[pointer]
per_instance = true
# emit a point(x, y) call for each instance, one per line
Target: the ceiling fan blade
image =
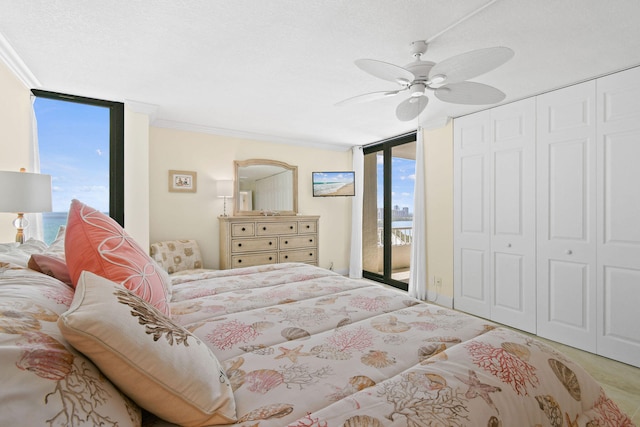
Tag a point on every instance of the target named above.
point(372, 96)
point(386, 71)
point(471, 64)
point(411, 108)
point(470, 93)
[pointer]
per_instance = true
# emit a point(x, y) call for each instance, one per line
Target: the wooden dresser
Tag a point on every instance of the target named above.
point(257, 240)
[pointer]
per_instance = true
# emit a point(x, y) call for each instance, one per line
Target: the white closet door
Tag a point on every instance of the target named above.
point(513, 240)
point(566, 207)
point(471, 214)
point(619, 216)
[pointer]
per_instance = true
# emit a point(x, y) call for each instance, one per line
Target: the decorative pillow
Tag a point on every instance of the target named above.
point(177, 255)
point(95, 242)
point(51, 266)
point(160, 365)
point(44, 380)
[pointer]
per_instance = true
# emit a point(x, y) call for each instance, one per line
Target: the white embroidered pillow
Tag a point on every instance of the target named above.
point(160, 365)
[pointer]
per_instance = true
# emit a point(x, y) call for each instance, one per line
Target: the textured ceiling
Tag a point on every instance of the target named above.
point(273, 70)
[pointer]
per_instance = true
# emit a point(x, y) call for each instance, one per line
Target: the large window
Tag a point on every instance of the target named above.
point(389, 182)
point(81, 145)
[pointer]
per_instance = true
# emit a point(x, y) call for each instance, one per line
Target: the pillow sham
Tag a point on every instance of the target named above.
point(161, 366)
point(51, 266)
point(97, 243)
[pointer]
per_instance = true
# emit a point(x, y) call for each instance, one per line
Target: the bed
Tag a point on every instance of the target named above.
point(276, 345)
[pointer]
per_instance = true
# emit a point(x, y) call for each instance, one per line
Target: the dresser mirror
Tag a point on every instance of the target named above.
point(265, 187)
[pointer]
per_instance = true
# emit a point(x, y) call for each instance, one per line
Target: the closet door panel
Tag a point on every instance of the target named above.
point(471, 215)
point(513, 215)
point(619, 216)
point(566, 206)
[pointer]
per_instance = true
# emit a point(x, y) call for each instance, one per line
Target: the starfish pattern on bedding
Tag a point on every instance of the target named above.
point(292, 354)
point(476, 388)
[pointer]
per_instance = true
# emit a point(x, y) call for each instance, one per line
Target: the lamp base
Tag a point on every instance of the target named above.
point(20, 223)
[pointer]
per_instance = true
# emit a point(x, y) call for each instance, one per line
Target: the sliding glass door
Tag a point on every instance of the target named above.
point(389, 178)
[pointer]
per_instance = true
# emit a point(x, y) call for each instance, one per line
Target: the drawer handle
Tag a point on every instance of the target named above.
point(270, 258)
point(239, 244)
point(264, 228)
point(569, 252)
point(239, 261)
point(286, 242)
point(310, 253)
point(286, 257)
point(308, 226)
point(244, 229)
point(310, 240)
point(270, 243)
point(291, 227)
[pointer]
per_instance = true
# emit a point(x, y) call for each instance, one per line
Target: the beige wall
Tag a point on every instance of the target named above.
point(438, 146)
point(15, 125)
point(194, 215)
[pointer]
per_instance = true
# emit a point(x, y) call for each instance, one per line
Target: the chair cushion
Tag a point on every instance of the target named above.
point(177, 255)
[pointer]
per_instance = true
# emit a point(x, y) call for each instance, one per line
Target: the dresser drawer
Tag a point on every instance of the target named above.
point(307, 227)
point(250, 245)
point(243, 229)
point(254, 259)
point(256, 240)
point(301, 255)
point(294, 242)
point(271, 228)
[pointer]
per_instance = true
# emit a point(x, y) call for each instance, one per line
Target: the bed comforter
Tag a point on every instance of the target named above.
point(301, 346)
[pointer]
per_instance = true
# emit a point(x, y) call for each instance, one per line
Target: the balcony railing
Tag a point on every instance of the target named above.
point(400, 236)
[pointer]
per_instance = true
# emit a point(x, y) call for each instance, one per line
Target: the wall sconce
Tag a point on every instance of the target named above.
point(224, 189)
point(22, 192)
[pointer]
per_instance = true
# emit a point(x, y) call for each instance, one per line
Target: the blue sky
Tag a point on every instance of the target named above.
point(74, 149)
point(403, 177)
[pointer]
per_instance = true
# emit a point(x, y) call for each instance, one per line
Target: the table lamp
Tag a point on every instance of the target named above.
point(225, 190)
point(22, 192)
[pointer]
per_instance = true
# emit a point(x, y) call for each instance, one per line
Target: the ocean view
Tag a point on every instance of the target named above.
point(51, 222)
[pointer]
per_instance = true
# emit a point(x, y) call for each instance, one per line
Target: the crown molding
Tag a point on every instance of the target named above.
point(189, 127)
point(150, 110)
point(17, 66)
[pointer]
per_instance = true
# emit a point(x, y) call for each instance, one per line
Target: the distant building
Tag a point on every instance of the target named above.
point(397, 214)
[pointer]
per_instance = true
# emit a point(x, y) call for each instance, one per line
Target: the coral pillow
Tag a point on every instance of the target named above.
point(161, 366)
point(96, 243)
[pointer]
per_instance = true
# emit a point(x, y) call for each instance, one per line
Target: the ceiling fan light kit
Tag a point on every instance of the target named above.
point(447, 79)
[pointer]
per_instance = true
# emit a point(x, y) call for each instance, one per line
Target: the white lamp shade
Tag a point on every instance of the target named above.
point(224, 188)
point(22, 192)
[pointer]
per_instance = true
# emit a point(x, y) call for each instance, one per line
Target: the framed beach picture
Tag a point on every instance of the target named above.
point(332, 184)
point(183, 181)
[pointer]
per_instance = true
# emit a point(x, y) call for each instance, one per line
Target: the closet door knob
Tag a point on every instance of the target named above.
point(568, 251)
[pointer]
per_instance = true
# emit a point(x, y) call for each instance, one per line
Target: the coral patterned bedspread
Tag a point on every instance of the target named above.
point(303, 346)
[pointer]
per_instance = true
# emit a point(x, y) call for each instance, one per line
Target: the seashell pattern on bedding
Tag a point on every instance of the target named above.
point(303, 347)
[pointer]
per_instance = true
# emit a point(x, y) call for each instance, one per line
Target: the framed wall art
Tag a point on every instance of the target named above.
point(331, 184)
point(183, 181)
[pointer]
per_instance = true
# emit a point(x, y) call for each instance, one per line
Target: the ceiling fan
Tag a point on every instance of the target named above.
point(447, 79)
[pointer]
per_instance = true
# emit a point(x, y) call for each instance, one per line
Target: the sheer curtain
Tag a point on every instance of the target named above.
point(35, 230)
point(418, 266)
point(355, 259)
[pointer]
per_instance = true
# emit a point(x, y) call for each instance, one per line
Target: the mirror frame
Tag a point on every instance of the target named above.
point(237, 164)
